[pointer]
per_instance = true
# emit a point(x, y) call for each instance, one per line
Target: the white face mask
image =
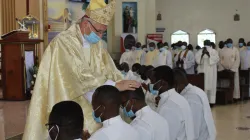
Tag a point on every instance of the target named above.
point(49, 138)
point(183, 47)
point(207, 46)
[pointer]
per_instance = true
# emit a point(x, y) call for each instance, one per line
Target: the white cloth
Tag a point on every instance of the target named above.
point(208, 66)
point(138, 56)
point(150, 100)
point(115, 129)
point(189, 61)
point(245, 59)
point(204, 127)
point(29, 64)
point(128, 58)
point(150, 125)
point(131, 76)
point(230, 60)
point(163, 58)
point(176, 110)
point(143, 58)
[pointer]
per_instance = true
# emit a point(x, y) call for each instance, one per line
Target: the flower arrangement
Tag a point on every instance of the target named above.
point(34, 72)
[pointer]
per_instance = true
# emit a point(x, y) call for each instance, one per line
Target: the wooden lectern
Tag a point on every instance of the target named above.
point(13, 47)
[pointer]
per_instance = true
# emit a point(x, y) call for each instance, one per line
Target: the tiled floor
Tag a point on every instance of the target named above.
point(227, 119)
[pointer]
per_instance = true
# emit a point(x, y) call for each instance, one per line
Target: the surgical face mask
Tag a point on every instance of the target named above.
point(248, 48)
point(207, 46)
point(162, 49)
point(130, 113)
point(229, 45)
point(151, 48)
point(92, 38)
point(151, 88)
point(97, 119)
point(127, 50)
point(183, 47)
point(49, 138)
point(123, 73)
point(138, 48)
point(241, 44)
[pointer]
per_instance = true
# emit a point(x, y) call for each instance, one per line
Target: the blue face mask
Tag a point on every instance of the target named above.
point(248, 48)
point(151, 48)
point(97, 119)
point(129, 114)
point(138, 48)
point(127, 50)
point(151, 89)
point(123, 73)
point(229, 45)
point(241, 44)
point(162, 49)
point(92, 38)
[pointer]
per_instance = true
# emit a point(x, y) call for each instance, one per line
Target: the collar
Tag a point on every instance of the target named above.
point(85, 43)
point(111, 121)
point(141, 111)
point(168, 93)
point(186, 89)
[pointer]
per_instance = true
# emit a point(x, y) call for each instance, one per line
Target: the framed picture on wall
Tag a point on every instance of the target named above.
point(130, 17)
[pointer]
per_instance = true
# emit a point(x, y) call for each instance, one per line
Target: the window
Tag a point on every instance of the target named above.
point(206, 35)
point(180, 36)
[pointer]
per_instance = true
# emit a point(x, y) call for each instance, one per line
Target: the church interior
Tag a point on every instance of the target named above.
point(28, 26)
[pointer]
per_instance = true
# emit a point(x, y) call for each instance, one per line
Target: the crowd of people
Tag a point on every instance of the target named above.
point(166, 107)
point(207, 59)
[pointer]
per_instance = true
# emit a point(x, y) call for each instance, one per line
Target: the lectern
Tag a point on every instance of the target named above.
point(13, 47)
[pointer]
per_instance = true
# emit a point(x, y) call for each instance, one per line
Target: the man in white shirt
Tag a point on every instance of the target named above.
point(151, 54)
point(204, 127)
point(245, 57)
point(106, 104)
point(66, 121)
point(164, 57)
point(207, 60)
point(149, 124)
point(230, 60)
point(171, 105)
point(138, 52)
point(185, 59)
point(127, 56)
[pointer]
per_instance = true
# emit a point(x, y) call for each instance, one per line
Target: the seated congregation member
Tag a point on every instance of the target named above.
point(171, 105)
point(207, 60)
point(230, 60)
point(245, 58)
point(133, 74)
point(124, 69)
point(66, 121)
point(149, 124)
point(164, 57)
point(151, 55)
point(106, 104)
point(185, 59)
point(204, 127)
point(127, 56)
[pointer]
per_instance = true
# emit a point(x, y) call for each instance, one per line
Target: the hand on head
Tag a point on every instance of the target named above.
point(127, 85)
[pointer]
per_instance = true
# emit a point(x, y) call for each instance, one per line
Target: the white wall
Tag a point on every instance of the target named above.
point(194, 16)
point(146, 22)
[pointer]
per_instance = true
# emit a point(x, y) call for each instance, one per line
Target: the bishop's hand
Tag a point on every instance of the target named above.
point(127, 85)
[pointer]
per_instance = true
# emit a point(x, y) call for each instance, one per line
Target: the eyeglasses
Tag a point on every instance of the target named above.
point(97, 31)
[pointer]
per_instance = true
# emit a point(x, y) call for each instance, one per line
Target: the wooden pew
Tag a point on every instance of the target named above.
point(244, 84)
point(197, 80)
point(225, 94)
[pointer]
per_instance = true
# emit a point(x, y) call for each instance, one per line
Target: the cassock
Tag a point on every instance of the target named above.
point(176, 110)
point(230, 60)
point(115, 129)
point(150, 125)
point(204, 127)
point(245, 59)
point(128, 58)
point(65, 74)
point(150, 57)
point(189, 60)
point(208, 66)
point(164, 57)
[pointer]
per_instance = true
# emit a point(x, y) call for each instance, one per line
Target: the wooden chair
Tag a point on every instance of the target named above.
point(244, 84)
point(197, 80)
point(225, 94)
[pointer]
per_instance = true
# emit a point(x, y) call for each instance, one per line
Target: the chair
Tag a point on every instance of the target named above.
point(197, 80)
point(225, 93)
point(244, 84)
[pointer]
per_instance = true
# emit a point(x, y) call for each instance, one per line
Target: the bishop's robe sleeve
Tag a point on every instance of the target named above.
point(190, 61)
point(214, 58)
point(237, 61)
